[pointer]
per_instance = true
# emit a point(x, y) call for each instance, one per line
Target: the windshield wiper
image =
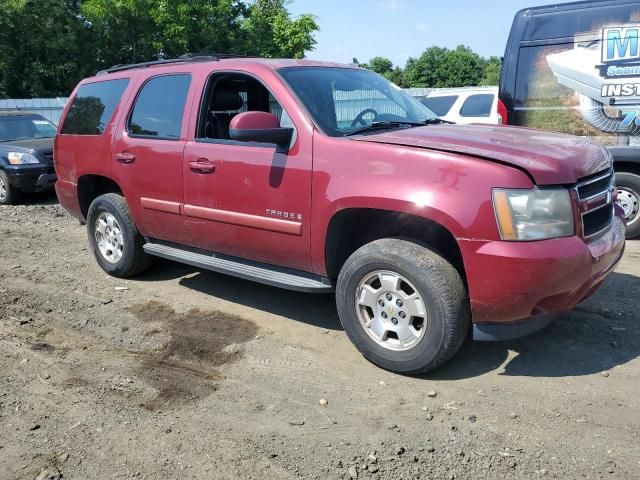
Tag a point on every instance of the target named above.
point(436, 121)
point(383, 126)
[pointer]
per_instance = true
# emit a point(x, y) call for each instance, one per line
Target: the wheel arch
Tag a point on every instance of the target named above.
point(627, 166)
point(91, 186)
point(351, 228)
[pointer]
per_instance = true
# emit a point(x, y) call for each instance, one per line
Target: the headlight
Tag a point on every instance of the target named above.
point(533, 214)
point(20, 158)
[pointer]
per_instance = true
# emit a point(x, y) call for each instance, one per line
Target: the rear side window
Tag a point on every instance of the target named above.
point(91, 109)
point(477, 106)
point(440, 105)
point(159, 108)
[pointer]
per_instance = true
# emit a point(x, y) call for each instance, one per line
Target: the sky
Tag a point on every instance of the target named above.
point(399, 29)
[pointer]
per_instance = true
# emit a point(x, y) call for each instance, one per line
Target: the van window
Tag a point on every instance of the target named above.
point(541, 101)
point(440, 105)
point(586, 19)
point(477, 105)
point(159, 108)
point(92, 107)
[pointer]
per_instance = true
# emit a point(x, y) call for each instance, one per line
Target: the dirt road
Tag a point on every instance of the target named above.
point(185, 374)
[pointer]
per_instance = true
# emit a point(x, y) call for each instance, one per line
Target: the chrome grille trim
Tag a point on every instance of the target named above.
point(606, 194)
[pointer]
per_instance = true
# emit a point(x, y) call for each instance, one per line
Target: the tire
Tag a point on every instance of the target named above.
point(437, 283)
point(8, 193)
point(127, 257)
point(628, 185)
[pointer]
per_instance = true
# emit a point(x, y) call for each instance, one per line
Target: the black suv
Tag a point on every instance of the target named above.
point(26, 154)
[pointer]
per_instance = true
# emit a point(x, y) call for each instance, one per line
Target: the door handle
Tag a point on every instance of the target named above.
point(125, 157)
point(202, 166)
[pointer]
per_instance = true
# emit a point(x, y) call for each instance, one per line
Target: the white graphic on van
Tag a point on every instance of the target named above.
point(621, 90)
point(620, 52)
point(620, 44)
point(600, 69)
point(631, 117)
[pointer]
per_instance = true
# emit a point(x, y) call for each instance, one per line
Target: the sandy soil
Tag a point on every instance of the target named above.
point(185, 374)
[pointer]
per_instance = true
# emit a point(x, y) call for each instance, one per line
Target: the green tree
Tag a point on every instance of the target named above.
point(380, 65)
point(424, 70)
point(462, 67)
point(397, 76)
point(271, 32)
point(492, 72)
point(442, 68)
point(385, 67)
point(45, 48)
point(129, 31)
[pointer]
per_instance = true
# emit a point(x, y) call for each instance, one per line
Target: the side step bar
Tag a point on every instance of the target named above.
point(247, 269)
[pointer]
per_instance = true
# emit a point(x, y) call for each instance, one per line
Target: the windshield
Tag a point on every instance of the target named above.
point(23, 127)
point(344, 100)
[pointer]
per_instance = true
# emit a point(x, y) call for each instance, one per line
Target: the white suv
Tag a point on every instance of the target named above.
point(466, 105)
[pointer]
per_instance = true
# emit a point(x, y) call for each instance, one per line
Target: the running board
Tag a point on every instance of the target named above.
point(247, 269)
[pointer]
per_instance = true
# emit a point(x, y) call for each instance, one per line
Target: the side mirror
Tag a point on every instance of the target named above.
point(260, 127)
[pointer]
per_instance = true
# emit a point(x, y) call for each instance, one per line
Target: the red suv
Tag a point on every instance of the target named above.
point(317, 177)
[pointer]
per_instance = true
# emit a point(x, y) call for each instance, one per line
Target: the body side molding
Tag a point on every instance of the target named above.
point(244, 219)
point(161, 205)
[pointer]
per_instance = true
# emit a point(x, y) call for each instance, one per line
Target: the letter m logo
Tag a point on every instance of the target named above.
point(620, 43)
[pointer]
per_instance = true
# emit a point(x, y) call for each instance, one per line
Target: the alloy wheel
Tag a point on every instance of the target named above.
point(109, 237)
point(391, 310)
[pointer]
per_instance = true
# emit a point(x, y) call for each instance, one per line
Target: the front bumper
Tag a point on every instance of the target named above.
point(31, 177)
point(522, 286)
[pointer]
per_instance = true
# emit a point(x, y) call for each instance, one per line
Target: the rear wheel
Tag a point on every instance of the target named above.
point(628, 185)
point(8, 193)
point(403, 306)
point(114, 238)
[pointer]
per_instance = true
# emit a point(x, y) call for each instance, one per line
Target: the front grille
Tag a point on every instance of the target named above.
point(597, 220)
point(596, 187)
point(596, 205)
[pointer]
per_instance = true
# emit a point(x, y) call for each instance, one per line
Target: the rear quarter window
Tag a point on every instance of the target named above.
point(159, 108)
point(440, 105)
point(92, 107)
point(477, 105)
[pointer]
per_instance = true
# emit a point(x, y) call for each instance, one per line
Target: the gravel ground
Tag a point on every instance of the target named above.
point(183, 373)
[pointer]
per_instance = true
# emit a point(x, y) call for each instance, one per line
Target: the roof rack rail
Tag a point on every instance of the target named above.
point(187, 57)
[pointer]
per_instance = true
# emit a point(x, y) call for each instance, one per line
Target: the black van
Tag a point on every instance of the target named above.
point(575, 68)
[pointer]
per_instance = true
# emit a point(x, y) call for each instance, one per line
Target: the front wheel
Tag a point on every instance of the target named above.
point(8, 193)
point(628, 185)
point(403, 306)
point(114, 238)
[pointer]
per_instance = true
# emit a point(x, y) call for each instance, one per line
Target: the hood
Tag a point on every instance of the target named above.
point(39, 145)
point(549, 158)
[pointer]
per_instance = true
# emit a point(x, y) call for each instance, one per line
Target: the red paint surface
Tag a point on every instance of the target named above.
point(161, 205)
point(245, 220)
point(441, 173)
point(254, 121)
